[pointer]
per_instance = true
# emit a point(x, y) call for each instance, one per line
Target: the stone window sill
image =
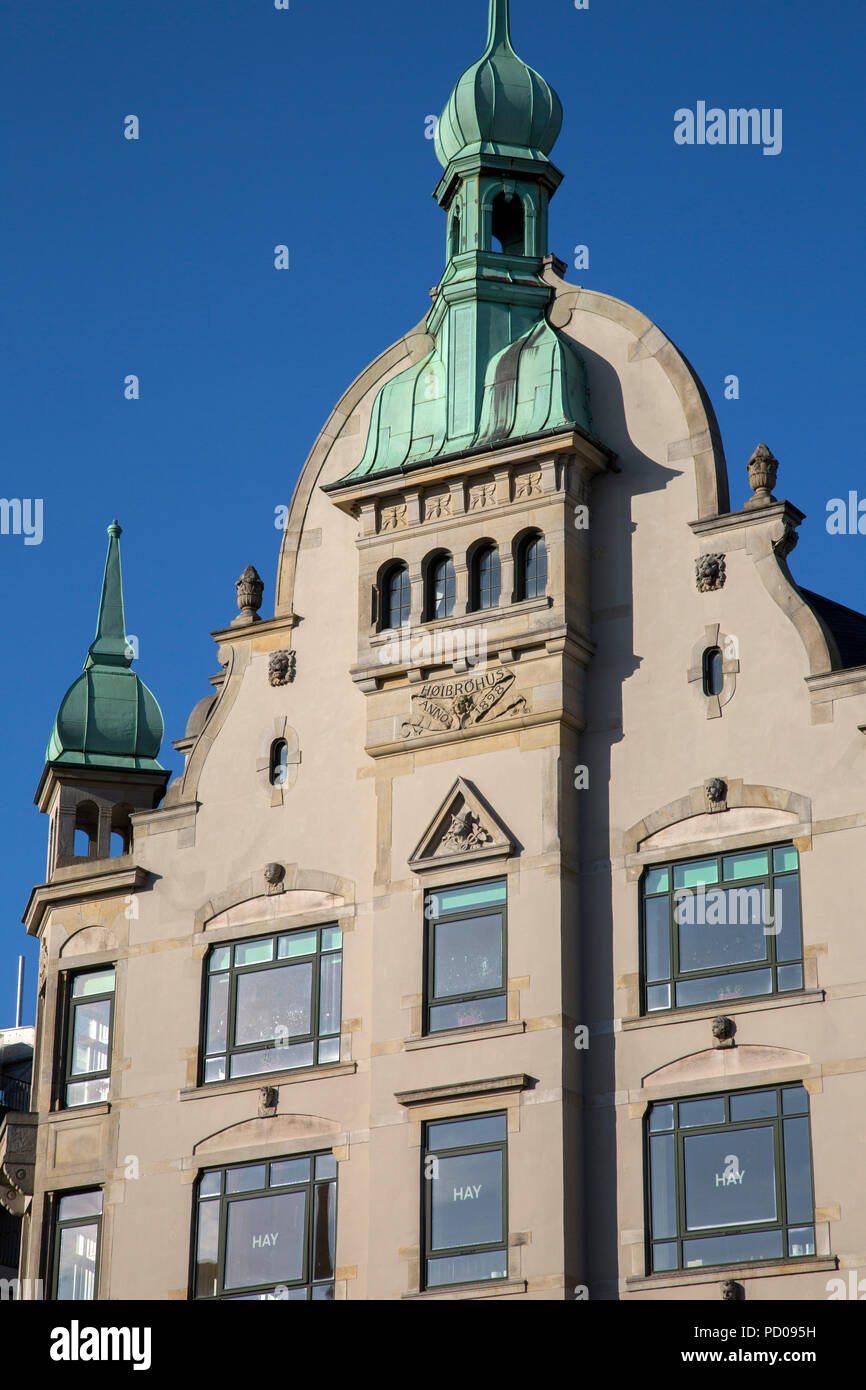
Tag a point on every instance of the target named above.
point(491, 1288)
point(474, 1033)
point(77, 1112)
point(723, 1006)
point(714, 1274)
point(271, 1078)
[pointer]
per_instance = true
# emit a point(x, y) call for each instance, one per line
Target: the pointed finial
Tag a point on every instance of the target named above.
point(498, 28)
point(110, 647)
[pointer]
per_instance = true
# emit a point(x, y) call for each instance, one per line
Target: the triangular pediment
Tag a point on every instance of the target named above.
point(465, 828)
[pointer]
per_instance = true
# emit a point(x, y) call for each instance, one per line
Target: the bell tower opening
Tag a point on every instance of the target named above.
point(508, 224)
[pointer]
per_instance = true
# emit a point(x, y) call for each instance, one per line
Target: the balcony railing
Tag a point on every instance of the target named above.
point(14, 1094)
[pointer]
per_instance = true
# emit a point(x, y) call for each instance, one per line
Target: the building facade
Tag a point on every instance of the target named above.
point(498, 938)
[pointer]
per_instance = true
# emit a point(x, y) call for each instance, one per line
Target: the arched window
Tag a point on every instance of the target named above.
point(531, 568)
point(507, 223)
point(81, 848)
point(86, 825)
point(713, 674)
point(455, 234)
point(441, 588)
point(121, 829)
point(486, 577)
point(396, 597)
point(279, 762)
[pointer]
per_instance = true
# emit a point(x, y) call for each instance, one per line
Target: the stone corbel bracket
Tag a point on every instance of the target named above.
point(17, 1161)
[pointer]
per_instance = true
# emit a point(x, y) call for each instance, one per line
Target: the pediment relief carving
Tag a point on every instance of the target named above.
point(464, 828)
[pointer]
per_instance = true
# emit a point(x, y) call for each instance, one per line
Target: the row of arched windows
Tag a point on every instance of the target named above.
point(485, 582)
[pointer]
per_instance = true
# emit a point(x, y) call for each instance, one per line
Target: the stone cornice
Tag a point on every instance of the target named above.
point(594, 455)
point(749, 516)
point(284, 623)
point(106, 882)
point(462, 1090)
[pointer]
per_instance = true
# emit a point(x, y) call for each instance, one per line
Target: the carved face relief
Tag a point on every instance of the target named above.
point(281, 667)
point(710, 573)
point(465, 832)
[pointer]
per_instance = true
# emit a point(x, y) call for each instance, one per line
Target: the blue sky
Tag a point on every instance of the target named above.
point(306, 128)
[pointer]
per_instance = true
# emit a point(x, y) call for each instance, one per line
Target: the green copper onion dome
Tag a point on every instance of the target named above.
point(500, 105)
point(108, 717)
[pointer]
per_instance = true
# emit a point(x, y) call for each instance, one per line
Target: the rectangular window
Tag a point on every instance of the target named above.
point(465, 1200)
point(273, 1003)
point(730, 1179)
point(466, 961)
point(267, 1230)
point(77, 1228)
point(90, 1024)
point(722, 928)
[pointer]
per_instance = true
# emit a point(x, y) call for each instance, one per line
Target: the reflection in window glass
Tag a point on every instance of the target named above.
point(88, 1046)
point(266, 1231)
point(78, 1225)
point(277, 1007)
point(465, 1213)
point(465, 980)
point(721, 928)
point(730, 1181)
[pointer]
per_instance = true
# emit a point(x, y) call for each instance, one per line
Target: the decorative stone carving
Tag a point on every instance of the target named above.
point(733, 1292)
point(464, 833)
point(482, 494)
point(250, 590)
point(268, 1099)
point(393, 516)
point(710, 573)
point(437, 505)
point(281, 667)
point(762, 468)
point(465, 827)
point(274, 875)
point(459, 704)
point(527, 483)
point(786, 542)
point(723, 1029)
point(717, 793)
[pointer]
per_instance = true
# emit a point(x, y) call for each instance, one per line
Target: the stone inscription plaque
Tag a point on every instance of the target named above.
point(459, 702)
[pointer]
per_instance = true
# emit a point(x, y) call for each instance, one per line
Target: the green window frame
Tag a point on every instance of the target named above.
point(266, 1230)
point(89, 1036)
point(486, 578)
point(76, 1244)
point(457, 1152)
point(700, 1152)
point(466, 943)
point(254, 1021)
point(721, 928)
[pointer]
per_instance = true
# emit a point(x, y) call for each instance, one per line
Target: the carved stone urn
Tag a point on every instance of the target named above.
point(250, 590)
point(763, 468)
